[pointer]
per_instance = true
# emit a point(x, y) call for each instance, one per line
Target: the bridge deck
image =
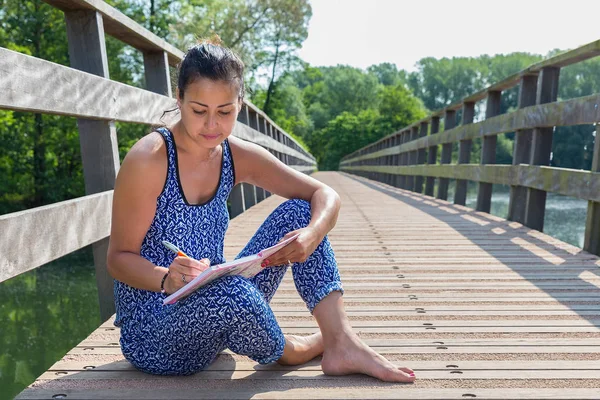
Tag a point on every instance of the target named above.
point(478, 306)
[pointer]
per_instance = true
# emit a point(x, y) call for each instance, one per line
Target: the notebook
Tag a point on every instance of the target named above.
point(247, 267)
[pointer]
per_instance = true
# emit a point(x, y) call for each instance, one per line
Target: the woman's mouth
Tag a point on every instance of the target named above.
point(211, 137)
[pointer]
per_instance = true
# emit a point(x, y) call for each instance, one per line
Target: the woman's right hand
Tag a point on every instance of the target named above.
point(184, 267)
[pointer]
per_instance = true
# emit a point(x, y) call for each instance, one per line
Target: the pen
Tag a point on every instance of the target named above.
point(174, 249)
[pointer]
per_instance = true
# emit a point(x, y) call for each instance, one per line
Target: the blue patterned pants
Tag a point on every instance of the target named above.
point(231, 312)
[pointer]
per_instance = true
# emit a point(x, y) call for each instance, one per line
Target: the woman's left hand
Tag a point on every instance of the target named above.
point(298, 250)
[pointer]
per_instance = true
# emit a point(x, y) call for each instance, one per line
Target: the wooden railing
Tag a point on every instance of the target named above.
point(408, 158)
point(37, 236)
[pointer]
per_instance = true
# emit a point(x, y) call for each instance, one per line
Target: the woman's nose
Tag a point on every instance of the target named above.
point(211, 121)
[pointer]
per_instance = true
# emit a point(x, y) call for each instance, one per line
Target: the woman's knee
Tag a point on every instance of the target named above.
point(297, 211)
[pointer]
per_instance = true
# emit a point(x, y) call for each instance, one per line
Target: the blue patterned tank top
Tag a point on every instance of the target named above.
point(197, 229)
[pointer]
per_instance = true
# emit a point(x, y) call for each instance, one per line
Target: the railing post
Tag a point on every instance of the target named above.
point(412, 158)
point(432, 156)
point(156, 72)
point(488, 152)
point(591, 242)
point(98, 139)
point(421, 157)
point(449, 123)
point(541, 148)
point(522, 150)
point(236, 197)
point(464, 154)
point(403, 158)
point(396, 161)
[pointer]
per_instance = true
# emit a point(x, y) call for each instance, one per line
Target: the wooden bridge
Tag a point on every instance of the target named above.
point(479, 306)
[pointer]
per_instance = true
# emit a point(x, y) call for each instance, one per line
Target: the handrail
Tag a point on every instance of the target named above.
point(407, 156)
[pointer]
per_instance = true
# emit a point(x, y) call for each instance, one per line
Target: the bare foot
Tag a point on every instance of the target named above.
point(301, 349)
point(350, 355)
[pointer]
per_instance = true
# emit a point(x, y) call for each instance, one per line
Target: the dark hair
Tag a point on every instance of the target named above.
point(210, 60)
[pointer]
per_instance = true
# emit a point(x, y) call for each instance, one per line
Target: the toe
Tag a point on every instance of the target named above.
point(407, 370)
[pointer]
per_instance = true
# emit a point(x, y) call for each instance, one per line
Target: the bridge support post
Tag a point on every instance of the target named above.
point(403, 158)
point(591, 242)
point(464, 154)
point(421, 158)
point(522, 150)
point(449, 123)
point(488, 152)
point(541, 148)
point(98, 139)
point(412, 158)
point(432, 156)
point(236, 197)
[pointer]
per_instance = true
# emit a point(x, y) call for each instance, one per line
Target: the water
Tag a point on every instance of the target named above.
point(43, 314)
point(46, 312)
point(564, 219)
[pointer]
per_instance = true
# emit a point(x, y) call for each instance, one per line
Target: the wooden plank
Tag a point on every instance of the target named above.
point(464, 153)
point(309, 393)
point(44, 87)
point(247, 133)
point(315, 365)
point(575, 183)
point(303, 375)
point(65, 227)
point(449, 123)
point(592, 224)
point(541, 148)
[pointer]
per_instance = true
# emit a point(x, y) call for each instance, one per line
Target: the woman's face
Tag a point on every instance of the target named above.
point(209, 110)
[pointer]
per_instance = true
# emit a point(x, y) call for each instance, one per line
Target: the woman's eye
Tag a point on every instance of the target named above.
point(199, 112)
point(225, 112)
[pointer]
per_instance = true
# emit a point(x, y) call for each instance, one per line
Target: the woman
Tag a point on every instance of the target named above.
point(173, 185)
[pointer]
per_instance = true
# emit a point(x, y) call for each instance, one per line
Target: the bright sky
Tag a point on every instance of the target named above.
point(361, 33)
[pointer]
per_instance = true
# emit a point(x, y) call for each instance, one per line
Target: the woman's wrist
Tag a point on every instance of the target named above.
point(162, 283)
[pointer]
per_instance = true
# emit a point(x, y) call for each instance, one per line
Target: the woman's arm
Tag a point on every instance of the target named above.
point(257, 166)
point(140, 181)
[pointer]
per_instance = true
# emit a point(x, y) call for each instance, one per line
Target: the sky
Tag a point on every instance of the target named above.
point(361, 33)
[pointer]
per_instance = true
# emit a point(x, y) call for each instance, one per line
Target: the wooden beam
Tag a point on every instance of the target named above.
point(592, 223)
point(449, 123)
point(98, 139)
point(156, 70)
point(421, 158)
point(575, 183)
point(578, 111)
point(569, 57)
point(464, 153)
point(412, 158)
point(37, 236)
point(432, 156)
point(541, 148)
point(119, 26)
point(45, 87)
point(522, 150)
point(488, 152)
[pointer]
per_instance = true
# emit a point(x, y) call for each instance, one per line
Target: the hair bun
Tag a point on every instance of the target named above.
point(214, 39)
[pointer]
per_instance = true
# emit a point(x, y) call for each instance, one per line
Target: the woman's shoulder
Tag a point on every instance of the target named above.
point(146, 160)
point(148, 150)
